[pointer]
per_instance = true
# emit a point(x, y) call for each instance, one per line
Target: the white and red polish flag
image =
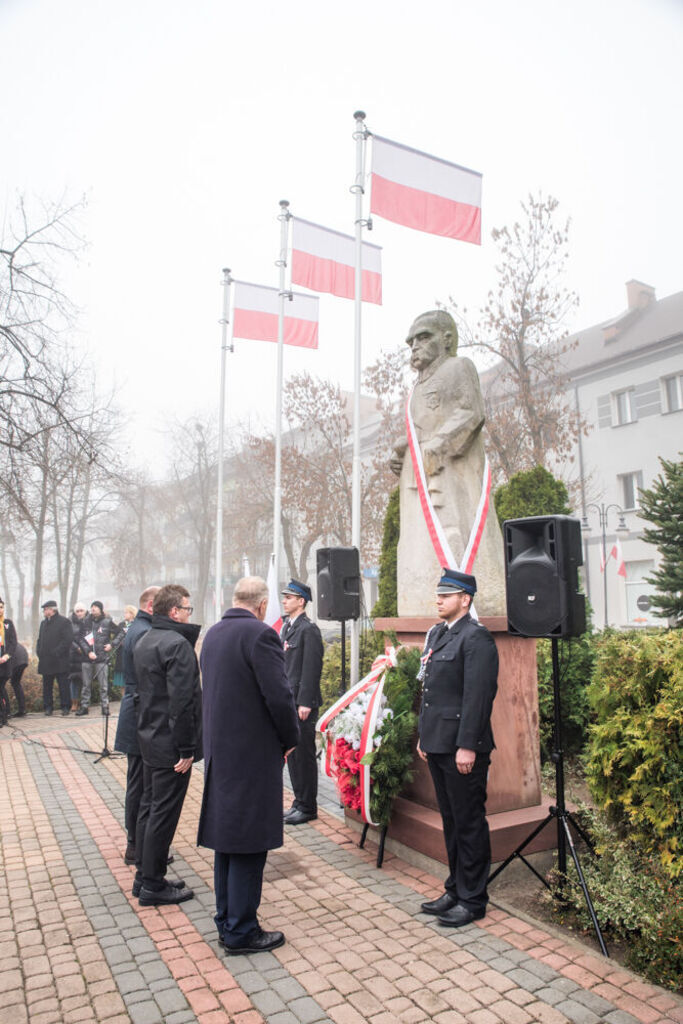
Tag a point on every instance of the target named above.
point(325, 261)
point(256, 310)
point(617, 554)
point(273, 615)
point(423, 192)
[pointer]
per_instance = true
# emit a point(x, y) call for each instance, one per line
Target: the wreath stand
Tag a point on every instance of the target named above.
point(380, 848)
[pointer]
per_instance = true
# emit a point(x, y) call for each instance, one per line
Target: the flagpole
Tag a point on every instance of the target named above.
point(360, 135)
point(283, 217)
point(221, 438)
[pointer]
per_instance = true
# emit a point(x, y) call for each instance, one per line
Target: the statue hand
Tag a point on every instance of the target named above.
point(432, 459)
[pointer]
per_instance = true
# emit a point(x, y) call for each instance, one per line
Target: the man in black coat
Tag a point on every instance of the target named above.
point(54, 656)
point(169, 718)
point(250, 726)
point(127, 727)
point(460, 680)
point(304, 663)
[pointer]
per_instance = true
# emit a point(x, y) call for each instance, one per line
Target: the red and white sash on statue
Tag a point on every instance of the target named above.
point(375, 677)
point(436, 532)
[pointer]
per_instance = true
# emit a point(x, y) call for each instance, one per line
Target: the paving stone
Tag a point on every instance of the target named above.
point(525, 979)
point(621, 1017)
point(594, 1002)
point(171, 1001)
point(145, 1013)
point(306, 1010)
point(576, 1012)
point(267, 1002)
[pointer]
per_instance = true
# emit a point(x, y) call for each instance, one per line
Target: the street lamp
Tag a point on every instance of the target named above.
point(603, 515)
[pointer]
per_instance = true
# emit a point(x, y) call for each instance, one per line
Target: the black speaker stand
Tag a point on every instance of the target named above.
point(342, 684)
point(561, 814)
point(105, 751)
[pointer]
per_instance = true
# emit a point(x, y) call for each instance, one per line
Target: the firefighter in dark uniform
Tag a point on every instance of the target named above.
point(460, 679)
point(303, 663)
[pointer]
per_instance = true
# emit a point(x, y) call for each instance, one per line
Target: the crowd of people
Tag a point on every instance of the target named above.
point(72, 652)
point(253, 708)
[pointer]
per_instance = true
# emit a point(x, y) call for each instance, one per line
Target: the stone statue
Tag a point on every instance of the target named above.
point(448, 413)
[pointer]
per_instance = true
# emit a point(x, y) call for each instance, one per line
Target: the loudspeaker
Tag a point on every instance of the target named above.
point(542, 557)
point(338, 583)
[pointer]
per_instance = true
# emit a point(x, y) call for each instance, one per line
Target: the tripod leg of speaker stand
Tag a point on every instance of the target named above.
point(517, 853)
point(582, 883)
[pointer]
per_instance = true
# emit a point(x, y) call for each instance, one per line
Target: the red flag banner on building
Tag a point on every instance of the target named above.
point(423, 192)
point(256, 310)
point(325, 261)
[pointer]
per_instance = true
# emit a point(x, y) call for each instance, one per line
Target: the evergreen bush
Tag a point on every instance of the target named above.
point(635, 901)
point(387, 601)
point(577, 659)
point(633, 759)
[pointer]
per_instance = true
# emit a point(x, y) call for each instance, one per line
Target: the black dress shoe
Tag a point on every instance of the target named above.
point(19, 714)
point(288, 814)
point(81, 711)
point(299, 817)
point(459, 916)
point(257, 941)
point(65, 713)
point(177, 883)
point(164, 897)
point(48, 713)
point(439, 906)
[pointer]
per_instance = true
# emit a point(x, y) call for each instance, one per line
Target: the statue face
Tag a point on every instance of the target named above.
point(426, 342)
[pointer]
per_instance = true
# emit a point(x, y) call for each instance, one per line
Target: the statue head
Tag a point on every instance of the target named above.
point(432, 336)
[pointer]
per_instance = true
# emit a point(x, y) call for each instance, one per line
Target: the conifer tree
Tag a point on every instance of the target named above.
point(662, 505)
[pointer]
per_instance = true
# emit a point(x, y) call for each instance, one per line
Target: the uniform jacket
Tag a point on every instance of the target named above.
point(127, 727)
point(461, 680)
point(169, 697)
point(54, 645)
point(304, 660)
point(250, 720)
point(9, 647)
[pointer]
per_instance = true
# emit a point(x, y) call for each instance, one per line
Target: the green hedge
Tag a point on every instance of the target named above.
point(635, 902)
point(633, 759)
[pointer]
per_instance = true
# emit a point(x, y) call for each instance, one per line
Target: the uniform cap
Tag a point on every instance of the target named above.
point(297, 589)
point(452, 581)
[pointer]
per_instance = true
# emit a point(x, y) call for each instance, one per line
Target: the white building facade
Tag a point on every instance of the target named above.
point(626, 377)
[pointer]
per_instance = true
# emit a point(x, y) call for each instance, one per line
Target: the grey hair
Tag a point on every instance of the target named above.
point(250, 591)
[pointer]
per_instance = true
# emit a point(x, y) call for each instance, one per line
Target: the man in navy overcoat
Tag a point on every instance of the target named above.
point(460, 680)
point(250, 725)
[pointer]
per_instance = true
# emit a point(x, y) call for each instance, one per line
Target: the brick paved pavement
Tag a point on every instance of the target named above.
point(75, 946)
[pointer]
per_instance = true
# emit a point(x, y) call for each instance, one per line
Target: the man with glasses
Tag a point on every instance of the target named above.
point(169, 718)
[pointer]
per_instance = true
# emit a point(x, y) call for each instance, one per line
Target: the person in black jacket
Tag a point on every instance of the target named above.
point(8, 645)
point(18, 667)
point(54, 654)
point(169, 718)
point(304, 663)
point(80, 648)
point(96, 664)
point(127, 727)
point(460, 680)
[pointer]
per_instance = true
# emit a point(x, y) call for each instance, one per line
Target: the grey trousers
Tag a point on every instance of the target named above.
point(98, 670)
